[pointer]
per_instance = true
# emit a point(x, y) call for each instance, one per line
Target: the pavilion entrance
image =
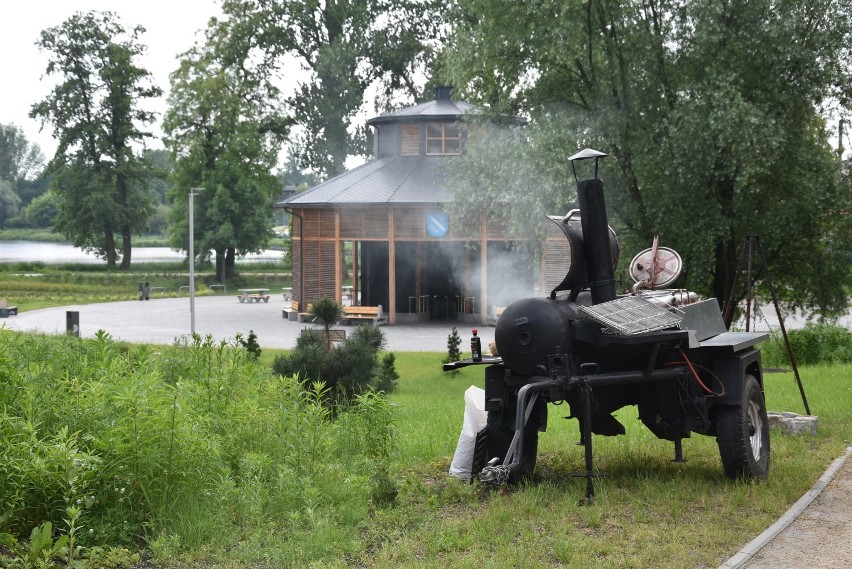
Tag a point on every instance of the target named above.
point(440, 280)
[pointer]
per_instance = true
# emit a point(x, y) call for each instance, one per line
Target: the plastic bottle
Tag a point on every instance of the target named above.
point(476, 347)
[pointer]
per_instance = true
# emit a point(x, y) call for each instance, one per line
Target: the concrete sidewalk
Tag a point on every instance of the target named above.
point(815, 533)
point(160, 321)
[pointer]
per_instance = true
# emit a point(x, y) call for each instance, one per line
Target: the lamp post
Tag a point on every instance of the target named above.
point(192, 193)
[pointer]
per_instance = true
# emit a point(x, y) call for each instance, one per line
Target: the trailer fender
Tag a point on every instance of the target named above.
point(732, 370)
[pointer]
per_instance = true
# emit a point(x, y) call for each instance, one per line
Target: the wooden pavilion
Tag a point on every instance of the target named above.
point(378, 235)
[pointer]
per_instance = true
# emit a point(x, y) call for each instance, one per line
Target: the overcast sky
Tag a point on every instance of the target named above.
point(171, 27)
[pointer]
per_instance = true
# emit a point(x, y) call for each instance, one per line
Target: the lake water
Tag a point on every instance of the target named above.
point(55, 253)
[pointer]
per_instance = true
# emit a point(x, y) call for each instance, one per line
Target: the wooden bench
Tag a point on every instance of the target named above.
point(249, 298)
point(294, 308)
point(293, 313)
point(305, 316)
point(372, 313)
point(6, 310)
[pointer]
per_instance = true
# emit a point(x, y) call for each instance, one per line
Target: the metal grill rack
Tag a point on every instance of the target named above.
point(632, 315)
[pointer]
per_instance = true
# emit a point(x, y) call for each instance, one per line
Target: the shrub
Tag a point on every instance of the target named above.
point(348, 369)
point(453, 344)
point(250, 344)
point(813, 344)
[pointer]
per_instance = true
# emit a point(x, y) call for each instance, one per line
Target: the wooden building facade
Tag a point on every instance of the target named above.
point(377, 235)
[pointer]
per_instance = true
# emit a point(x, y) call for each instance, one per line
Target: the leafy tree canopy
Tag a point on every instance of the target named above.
point(712, 112)
point(347, 48)
point(224, 126)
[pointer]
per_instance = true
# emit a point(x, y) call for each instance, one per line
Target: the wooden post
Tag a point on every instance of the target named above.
point(391, 310)
point(356, 278)
point(483, 272)
point(338, 261)
point(418, 274)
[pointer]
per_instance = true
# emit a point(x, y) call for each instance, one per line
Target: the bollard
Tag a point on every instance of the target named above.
point(72, 323)
point(144, 291)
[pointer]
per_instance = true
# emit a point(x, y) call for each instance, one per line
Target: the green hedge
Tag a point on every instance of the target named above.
point(813, 344)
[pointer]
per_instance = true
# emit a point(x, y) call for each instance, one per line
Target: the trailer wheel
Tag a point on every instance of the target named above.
point(742, 433)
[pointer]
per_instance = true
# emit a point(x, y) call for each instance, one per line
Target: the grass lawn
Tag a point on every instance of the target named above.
point(649, 512)
point(31, 286)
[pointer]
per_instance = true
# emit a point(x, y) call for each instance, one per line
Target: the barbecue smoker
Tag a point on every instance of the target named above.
point(663, 350)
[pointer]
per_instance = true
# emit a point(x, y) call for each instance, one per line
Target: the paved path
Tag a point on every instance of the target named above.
point(815, 533)
point(160, 321)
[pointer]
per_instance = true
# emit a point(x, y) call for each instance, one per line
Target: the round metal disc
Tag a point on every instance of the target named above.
point(669, 266)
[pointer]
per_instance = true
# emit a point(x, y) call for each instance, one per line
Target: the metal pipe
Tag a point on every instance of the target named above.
point(596, 246)
point(516, 449)
point(521, 418)
point(618, 378)
point(192, 193)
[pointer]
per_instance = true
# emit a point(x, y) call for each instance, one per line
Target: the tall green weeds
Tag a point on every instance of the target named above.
point(194, 445)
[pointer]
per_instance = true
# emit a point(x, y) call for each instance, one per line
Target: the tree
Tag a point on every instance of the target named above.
point(224, 127)
point(346, 48)
point(41, 212)
point(710, 111)
point(21, 164)
point(292, 174)
point(98, 118)
point(161, 169)
point(327, 312)
point(20, 160)
point(9, 202)
point(453, 344)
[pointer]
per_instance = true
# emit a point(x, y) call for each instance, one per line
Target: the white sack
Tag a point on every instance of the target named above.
point(475, 418)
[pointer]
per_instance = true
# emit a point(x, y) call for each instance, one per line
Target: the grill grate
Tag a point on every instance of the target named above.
point(632, 315)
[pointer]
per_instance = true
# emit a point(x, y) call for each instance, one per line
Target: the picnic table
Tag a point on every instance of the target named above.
point(253, 295)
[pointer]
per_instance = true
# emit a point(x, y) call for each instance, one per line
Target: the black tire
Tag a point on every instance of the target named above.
point(742, 433)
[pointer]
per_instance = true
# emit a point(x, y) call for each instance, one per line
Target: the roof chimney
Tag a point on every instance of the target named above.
point(442, 93)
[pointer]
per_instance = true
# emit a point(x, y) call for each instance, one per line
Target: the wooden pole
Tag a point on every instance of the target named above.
point(391, 309)
point(338, 261)
point(356, 278)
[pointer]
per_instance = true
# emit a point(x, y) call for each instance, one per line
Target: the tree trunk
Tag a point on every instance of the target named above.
point(220, 265)
point(724, 273)
point(125, 248)
point(121, 198)
point(726, 249)
point(109, 249)
point(230, 261)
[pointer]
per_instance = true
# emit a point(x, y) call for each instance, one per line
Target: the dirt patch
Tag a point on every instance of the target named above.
point(821, 537)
